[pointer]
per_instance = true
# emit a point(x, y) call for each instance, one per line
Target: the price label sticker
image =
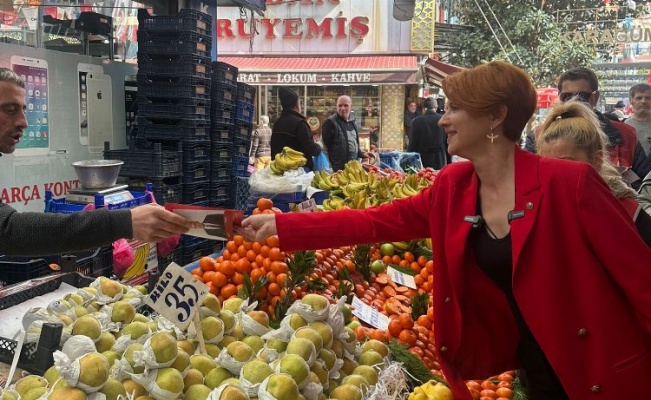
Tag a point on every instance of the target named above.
point(369, 314)
point(177, 295)
point(400, 278)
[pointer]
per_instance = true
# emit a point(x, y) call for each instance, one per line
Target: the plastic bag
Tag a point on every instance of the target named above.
point(293, 181)
point(321, 163)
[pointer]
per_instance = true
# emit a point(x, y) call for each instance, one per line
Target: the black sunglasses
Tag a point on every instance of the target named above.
point(580, 96)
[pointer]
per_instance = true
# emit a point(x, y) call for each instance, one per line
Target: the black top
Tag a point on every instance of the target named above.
point(494, 258)
point(643, 225)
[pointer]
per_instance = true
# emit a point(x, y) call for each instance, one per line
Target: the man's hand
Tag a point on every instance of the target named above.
point(257, 228)
point(152, 223)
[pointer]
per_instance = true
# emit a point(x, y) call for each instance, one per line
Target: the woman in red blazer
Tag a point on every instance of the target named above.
point(537, 265)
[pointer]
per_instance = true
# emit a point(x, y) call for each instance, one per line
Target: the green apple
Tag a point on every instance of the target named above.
point(387, 249)
point(377, 267)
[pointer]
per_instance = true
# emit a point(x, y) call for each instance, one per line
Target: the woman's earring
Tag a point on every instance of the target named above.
point(492, 136)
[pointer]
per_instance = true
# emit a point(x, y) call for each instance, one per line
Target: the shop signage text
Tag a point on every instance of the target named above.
point(294, 28)
point(324, 78)
point(27, 193)
point(608, 36)
point(360, 77)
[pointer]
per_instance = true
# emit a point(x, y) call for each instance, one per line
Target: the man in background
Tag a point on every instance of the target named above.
point(624, 149)
point(429, 139)
point(640, 96)
point(37, 234)
point(411, 112)
point(291, 129)
point(340, 136)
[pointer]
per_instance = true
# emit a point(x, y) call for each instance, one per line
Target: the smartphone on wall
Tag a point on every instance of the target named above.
point(36, 137)
point(83, 70)
point(100, 111)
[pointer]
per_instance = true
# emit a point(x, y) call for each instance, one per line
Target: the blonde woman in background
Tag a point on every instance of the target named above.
point(260, 153)
point(572, 132)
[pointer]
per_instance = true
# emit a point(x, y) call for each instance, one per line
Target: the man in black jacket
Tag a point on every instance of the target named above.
point(429, 139)
point(292, 130)
point(340, 136)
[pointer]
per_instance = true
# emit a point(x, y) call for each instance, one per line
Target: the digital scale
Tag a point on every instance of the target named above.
point(112, 195)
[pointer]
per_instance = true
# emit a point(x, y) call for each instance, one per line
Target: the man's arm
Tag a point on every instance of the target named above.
point(641, 165)
point(34, 234)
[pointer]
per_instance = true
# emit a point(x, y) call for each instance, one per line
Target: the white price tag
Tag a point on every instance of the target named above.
point(369, 314)
point(177, 295)
point(400, 278)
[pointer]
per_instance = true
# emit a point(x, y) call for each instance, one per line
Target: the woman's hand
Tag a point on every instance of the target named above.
point(257, 228)
point(152, 223)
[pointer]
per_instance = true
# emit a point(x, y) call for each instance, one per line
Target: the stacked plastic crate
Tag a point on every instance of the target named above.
point(174, 84)
point(222, 132)
point(243, 130)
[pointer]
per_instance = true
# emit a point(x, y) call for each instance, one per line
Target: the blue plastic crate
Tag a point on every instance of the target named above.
point(217, 181)
point(195, 251)
point(243, 131)
point(222, 203)
point(194, 172)
point(167, 190)
point(188, 20)
point(241, 149)
point(223, 113)
point(172, 257)
point(221, 155)
point(197, 151)
point(225, 74)
point(197, 191)
point(241, 192)
point(154, 87)
point(245, 92)
point(61, 206)
point(223, 93)
point(180, 129)
point(175, 44)
point(151, 163)
point(220, 172)
point(173, 108)
point(239, 166)
point(245, 112)
point(221, 134)
point(174, 65)
point(189, 241)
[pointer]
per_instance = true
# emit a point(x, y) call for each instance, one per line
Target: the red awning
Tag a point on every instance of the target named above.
point(436, 71)
point(325, 70)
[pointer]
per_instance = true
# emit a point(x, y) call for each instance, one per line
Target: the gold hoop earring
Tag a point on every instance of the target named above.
point(492, 136)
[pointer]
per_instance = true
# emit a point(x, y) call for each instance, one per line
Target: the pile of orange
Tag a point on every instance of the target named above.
point(499, 387)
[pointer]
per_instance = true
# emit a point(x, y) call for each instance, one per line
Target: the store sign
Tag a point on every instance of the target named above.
point(321, 78)
point(294, 28)
point(608, 36)
point(26, 193)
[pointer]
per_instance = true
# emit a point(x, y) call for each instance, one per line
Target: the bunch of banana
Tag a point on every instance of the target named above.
point(333, 203)
point(324, 181)
point(401, 191)
point(358, 200)
point(431, 390)
point(287, 160)
point(351, 189)
point(352, 172)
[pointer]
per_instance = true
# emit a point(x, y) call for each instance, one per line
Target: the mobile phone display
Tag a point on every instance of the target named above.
point(37, 133)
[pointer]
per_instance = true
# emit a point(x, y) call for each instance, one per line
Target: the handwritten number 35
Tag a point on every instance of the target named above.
point(173, 300)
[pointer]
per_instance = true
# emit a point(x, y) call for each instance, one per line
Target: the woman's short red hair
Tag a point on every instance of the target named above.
point(483, 89)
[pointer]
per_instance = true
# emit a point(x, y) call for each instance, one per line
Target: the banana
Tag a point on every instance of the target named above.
point(289, 151)
point(274, 168)
point(342, 178)
point(402, 246)
point(397, 192)
point(329, 180)
point(409, 191)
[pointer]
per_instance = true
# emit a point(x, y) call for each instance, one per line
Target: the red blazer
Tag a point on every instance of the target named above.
point(581, 275)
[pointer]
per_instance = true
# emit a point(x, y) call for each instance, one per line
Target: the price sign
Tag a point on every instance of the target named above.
point(369, 314)
point(400, 278)
point(177, 295)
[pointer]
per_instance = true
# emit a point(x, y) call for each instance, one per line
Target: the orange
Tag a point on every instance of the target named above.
point(504, 392)
point(395, 259)
point(226, 254)
point(243, 265)
point(256, 211)
point(227, 268)
point(238, 240)
point(231, 246)
point(273, 241)
point(264, 250)
point(237, 278)
point(208, 276)
point(264, 204)
point(219, 280)
point(274, 289)
point(422, 261)
point(278, 267)
point(206, 263)
point(281, 279)
point(271, 277)
point(403, 263)
point(409, 256)
point(197, 272)
point(248, 245)
point(379, 334)
point(257, 274)
point(241, 251)
point(394, 328)
point(251, 255)
point(228, 291)
point(275, 254)
point(256, 247)
point(408, 337)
